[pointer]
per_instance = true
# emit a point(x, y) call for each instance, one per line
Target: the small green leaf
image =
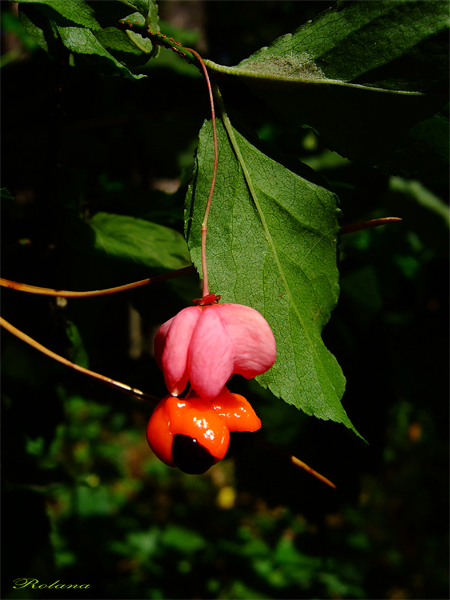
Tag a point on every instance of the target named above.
point(138, 241)
point(6, 194)
point(369, 77)
point(126, 46)
point(141, 6)
point(147, 8)
point(83, 41)
point(78, 353)
point(109, 12)
point(272, 244)
point(37, 26)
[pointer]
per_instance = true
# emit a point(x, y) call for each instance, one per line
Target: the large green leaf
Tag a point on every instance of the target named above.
point(272, 244)
point(77, 11)
point(370, 77)
point(138, 241)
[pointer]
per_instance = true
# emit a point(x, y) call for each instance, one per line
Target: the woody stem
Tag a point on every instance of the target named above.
point(33, 289)
point(294, 460)
point(368, 224)
point(123, 387)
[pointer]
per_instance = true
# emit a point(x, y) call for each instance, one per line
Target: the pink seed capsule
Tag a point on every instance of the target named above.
point(206, 345)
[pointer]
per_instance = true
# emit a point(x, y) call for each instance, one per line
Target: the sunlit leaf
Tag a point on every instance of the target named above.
point(77, 11)
point(370, 77)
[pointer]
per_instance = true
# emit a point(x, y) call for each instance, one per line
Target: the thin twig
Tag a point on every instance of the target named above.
point(123, 387)
point(368, 224)
point(32, 289)
point(294, 460)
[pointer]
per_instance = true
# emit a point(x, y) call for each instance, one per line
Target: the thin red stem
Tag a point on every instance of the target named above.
point(204, 226)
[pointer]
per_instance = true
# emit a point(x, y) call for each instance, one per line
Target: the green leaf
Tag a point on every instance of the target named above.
point(78, 353)
point(38, 27)
point(148, 9)
point(141, 6)
point(95, 33)
point(6, 194)
point(83, 41)
point(126, 46)
point(272, 244)
point(183, 540)
point(77, 11)
point(138, 241)
point(109, 12)
point(365, 75)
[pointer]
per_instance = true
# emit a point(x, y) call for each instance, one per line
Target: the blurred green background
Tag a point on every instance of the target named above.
point(84, 499)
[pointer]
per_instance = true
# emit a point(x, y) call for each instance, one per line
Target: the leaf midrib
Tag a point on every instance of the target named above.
point(241, 161)
point(243, 73)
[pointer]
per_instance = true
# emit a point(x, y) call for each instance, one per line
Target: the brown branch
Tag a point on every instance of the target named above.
point(123, 387)
point(293, 460)
point(32, 289)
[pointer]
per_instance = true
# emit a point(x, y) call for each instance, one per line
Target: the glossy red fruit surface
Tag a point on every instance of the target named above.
point(192, 418)
point(236, 411)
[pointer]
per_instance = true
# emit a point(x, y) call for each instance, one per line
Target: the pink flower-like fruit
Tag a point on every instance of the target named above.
point(206, 345)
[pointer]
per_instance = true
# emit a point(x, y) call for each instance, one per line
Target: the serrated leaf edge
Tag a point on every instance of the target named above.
point(240, 158)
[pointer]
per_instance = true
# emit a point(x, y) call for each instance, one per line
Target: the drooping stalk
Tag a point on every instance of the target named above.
point(204, 226)
point(190, 55)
